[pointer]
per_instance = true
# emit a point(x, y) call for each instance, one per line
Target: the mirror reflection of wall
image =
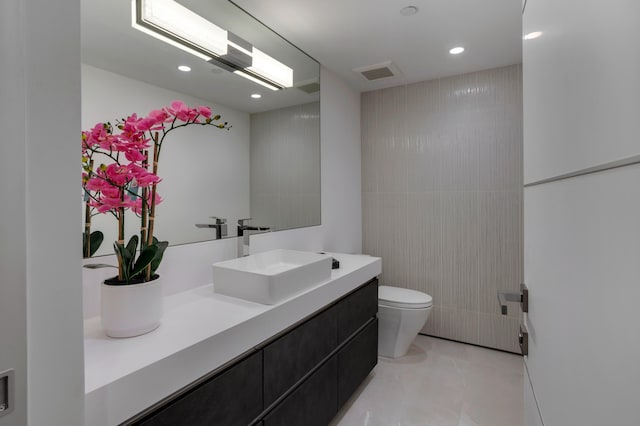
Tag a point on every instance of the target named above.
point(266, 167)
point(205, 172)
point(285, 171)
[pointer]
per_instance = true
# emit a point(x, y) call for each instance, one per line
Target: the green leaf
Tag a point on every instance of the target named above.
point(128, 257)
point(96, 239)
point(132, 245)
point(162, 246)
point(146, 257)
point(84, 245)
point(121, 252)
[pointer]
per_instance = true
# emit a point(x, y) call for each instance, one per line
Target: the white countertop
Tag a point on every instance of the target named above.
point(200, 331)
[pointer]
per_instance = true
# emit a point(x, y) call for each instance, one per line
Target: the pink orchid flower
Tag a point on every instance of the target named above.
point(117, 174)
point(97, 184)
point(160, 116)
point(179, 110)
point(146, 124)
point(147, 180)
point(204, 111)
point(134, 155)
point(111, 192)
point(106, 204)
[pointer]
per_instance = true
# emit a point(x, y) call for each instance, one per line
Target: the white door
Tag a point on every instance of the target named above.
point(13, 293)
point(581, 82)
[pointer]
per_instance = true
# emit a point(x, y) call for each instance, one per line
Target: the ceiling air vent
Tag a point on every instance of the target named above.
point(378, 71)
point(309, 87)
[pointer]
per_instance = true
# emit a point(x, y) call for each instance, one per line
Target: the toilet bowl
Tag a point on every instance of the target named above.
point(401, 315)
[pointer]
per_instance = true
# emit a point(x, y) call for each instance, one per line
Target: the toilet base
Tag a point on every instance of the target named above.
point(398, 328)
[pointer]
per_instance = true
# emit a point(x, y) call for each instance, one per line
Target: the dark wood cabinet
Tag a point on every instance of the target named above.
point(356, 309)
point(302, 377)
point(231, 398)
point(292, 356)
point(356, 360)
point(314, 403)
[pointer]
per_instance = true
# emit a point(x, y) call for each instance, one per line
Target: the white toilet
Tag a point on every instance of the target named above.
point(401, 315)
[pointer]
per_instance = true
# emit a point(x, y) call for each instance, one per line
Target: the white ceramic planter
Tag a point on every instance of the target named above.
point(131, 310)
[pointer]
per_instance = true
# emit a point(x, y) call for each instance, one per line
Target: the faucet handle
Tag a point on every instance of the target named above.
point(241, 222)
point(219, 220)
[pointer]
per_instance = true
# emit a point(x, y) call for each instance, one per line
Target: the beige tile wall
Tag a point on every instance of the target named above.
point(442, 197)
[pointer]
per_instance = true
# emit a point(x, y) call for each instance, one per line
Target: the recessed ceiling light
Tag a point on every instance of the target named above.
point(408, 11)
point(256, 95)
point(456, 50)
point(532, 35)
point(184, 68)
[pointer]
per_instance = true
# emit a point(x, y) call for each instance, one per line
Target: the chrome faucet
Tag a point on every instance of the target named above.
point(244, 231)
point(220, 226)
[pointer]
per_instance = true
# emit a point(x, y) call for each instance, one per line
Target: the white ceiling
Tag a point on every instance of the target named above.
point(347, 34)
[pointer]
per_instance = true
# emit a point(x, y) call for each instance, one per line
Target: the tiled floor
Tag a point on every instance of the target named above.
point(440, 383)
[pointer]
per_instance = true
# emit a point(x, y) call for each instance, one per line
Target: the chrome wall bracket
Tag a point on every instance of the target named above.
point(6, 392)
point(523, 340)
point(522, 298)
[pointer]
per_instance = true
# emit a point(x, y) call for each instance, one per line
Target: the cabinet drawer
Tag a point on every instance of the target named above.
point(296, 353)
point(314, 403)
point(232, 398)
point(356, 360)
point(356, 309)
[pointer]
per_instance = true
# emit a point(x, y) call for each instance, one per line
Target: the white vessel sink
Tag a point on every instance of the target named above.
point(272, 276)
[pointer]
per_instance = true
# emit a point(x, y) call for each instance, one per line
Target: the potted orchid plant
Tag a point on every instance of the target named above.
point(120, 173)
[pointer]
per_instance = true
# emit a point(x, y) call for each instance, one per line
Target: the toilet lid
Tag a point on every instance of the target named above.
point(403, 297)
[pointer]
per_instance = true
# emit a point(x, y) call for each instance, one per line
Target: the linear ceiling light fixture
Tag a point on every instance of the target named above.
point(174, 24)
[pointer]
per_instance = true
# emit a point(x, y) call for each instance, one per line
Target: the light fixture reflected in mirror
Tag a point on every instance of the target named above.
point(255, 80)
point(174, 24)
point(273, 70)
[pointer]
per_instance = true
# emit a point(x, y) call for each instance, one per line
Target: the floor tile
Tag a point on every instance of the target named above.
point(440, 383)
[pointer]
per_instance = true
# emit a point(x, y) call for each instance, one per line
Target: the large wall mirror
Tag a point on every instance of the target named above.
point(267, 166)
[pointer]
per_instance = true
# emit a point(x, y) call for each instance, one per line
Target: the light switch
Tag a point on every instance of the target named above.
point(6, 392)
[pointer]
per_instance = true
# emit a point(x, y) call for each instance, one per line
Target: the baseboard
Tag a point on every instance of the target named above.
point(472, 344)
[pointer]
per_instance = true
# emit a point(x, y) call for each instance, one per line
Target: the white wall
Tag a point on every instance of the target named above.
point(40, 297)
point(341, 165)
point(195, 163)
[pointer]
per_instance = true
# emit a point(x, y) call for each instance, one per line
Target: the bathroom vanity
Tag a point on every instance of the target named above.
point(221, 360)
